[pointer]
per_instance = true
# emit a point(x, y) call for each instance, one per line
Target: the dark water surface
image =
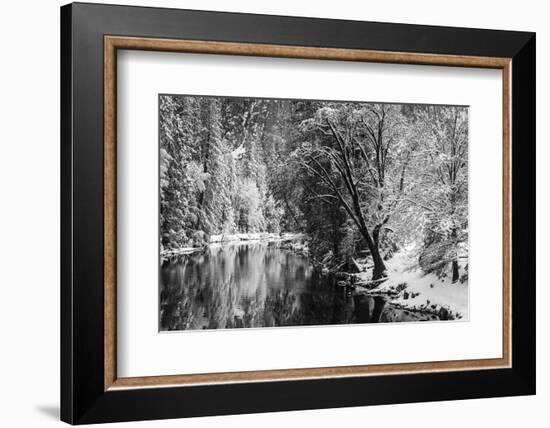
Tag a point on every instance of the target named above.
point(255, 285)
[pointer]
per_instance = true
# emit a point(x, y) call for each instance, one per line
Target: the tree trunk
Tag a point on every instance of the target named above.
point(379, 266)
point(455, 259)
point(455, 270)
point(379, 270)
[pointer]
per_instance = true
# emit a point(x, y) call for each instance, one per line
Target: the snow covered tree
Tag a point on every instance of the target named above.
point(178, 184)
point(443, 196)
point(248, 207)
point(216, 159)
point(361, 153)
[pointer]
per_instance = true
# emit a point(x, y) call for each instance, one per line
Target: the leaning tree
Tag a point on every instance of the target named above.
point(359, 154)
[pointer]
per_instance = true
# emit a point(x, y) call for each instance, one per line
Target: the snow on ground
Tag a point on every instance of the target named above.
point(215, 241)
point(262, 236)
point(441, 293)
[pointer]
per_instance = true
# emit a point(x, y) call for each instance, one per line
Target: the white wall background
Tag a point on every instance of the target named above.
point(29, 214)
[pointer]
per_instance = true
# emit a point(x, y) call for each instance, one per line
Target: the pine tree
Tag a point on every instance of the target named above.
point(176, 193)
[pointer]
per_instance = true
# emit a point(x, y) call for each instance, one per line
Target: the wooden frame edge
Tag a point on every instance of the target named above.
point(507, 213)
point(112, 43)
point(301, 52)
point(109, 198)
point(308, 373)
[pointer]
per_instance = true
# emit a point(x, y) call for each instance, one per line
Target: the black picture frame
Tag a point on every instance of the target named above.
point(83, 398)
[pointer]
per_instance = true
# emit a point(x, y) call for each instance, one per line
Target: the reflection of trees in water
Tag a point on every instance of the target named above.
point(252, 285)
point(177, 308)
point(279, 308)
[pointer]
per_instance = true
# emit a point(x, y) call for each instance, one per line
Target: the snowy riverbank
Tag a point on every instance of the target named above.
point(236, 238)
point(264, 236)
point(411, 289)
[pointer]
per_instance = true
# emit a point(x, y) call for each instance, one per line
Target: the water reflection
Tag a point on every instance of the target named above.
point(255, 285)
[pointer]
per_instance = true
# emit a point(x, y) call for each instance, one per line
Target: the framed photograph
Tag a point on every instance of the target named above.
point(265, 213)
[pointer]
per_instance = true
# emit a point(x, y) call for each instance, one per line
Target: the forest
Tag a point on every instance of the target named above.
point(359, 180)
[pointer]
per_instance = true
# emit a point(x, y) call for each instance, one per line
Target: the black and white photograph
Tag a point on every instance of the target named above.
point(288, 212)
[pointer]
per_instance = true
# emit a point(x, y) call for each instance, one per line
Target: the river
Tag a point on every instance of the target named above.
point(255, 285)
